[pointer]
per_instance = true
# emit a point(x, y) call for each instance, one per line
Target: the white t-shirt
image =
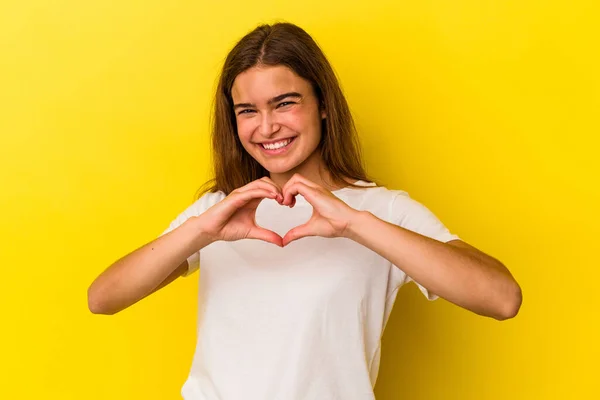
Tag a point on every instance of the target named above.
point(303, 322)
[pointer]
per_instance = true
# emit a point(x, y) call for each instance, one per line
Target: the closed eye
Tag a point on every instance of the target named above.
point(285, 103)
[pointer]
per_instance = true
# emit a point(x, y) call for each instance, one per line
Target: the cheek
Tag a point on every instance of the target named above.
point(297, 120)
point(245, 127)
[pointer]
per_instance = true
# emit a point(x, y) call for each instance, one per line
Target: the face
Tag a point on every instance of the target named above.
point(278, 118)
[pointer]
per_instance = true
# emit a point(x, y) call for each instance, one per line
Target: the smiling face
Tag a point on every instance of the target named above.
point(278, 119)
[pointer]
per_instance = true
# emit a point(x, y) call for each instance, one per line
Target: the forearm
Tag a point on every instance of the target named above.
point(139, 273)
point(466, 278)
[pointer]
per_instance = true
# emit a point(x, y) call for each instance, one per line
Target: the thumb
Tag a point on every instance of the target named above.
point(298, 233)
point(265, 235)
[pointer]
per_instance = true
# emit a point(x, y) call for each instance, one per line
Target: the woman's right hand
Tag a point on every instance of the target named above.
point(233, 218)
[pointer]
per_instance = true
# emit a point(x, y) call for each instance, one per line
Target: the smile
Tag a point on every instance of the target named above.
point(277, 147)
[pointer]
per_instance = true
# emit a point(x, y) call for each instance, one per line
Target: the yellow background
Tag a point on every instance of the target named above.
point(485, 111)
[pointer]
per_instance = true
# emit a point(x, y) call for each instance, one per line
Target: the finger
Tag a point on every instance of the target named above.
point(298, 178)
point(265, 235)
point(276, 186)
point(298, 188)
point(271, 181)
point(262, 183)
point(240, 199)
point(298, 233)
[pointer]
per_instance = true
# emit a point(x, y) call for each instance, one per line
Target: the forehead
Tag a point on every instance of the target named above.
point(259, 84)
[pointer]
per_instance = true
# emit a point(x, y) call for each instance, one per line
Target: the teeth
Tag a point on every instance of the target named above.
point(277, 145)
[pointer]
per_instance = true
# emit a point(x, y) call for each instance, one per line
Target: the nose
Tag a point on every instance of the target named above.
point(267, 125)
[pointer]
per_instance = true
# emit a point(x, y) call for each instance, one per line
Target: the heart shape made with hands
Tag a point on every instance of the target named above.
point(325, 214)
point(283, 220)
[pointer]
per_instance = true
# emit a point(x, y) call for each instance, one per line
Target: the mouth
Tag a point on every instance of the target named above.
point(278, 147)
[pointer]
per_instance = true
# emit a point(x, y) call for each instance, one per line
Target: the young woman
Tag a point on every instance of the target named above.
point(301, 255)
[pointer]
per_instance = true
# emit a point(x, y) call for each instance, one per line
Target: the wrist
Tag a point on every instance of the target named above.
point(357, 224)
point(201, 237)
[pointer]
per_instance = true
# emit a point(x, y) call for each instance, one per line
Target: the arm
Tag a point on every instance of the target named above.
point(146, 270)
point(163, 260)
point(456, 271)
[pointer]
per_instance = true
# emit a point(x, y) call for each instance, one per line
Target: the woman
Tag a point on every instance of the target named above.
point(279, 317)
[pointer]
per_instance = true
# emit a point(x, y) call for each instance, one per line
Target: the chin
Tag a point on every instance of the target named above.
point(283, 164)
point(279, 168)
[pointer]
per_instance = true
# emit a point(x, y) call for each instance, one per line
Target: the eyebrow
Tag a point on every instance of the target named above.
point(271, 101)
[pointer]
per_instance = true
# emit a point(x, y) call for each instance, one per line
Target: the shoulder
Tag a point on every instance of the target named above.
point(202, 204)
point(371, 192)
point(391, 204)
point(376, 199)
point(207, 200)
point(398, 207)
point(195, 209)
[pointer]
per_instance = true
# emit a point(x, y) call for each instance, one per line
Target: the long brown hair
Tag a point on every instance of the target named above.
point(288, 45)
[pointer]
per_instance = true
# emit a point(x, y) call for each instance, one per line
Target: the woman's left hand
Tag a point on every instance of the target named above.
point(331, 216)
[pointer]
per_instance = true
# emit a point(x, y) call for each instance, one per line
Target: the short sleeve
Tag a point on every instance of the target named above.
point(414, 216)
point(194, 210)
